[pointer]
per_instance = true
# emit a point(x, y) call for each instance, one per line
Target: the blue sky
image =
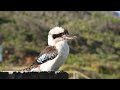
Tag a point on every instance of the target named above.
point(118, 12)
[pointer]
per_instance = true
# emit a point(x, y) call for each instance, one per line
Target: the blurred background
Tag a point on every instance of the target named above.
point(95, 54)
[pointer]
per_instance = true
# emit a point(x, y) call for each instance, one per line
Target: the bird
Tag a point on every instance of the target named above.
point(55, 54)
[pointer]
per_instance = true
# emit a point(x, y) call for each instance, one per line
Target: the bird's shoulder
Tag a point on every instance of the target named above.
point(48, 49)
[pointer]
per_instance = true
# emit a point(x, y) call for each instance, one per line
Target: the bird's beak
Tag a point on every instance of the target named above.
point(69, 37)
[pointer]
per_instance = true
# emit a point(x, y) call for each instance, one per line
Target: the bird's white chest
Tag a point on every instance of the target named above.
point(63, 51)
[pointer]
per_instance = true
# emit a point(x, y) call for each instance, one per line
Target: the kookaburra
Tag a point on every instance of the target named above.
point(55, 54)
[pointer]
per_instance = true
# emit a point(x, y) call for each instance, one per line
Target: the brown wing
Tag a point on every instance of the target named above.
point(49, 53)
point(48, 49)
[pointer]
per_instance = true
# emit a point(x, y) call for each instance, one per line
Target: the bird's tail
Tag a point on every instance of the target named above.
point(30, 67)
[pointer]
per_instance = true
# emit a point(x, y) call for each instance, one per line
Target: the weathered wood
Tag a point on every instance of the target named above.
point(33, 75)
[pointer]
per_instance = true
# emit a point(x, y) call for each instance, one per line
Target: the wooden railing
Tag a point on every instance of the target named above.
point(33, 75)
point(77, 75)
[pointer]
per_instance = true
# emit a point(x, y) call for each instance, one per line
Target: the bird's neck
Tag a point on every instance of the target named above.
point(62, 47)
point(50, 41)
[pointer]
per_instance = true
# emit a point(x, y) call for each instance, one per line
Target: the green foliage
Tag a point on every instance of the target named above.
point(96, 50)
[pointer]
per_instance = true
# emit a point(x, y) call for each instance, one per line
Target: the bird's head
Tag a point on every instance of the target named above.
point(58, 34)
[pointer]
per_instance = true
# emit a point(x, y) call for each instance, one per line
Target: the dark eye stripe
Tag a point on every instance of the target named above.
point(56, 35)
point(60, 35)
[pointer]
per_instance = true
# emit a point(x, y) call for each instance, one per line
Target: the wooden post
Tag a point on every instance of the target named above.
point(33, 75)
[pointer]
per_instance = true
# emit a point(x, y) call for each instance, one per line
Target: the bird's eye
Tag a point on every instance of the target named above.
point(61, 34)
